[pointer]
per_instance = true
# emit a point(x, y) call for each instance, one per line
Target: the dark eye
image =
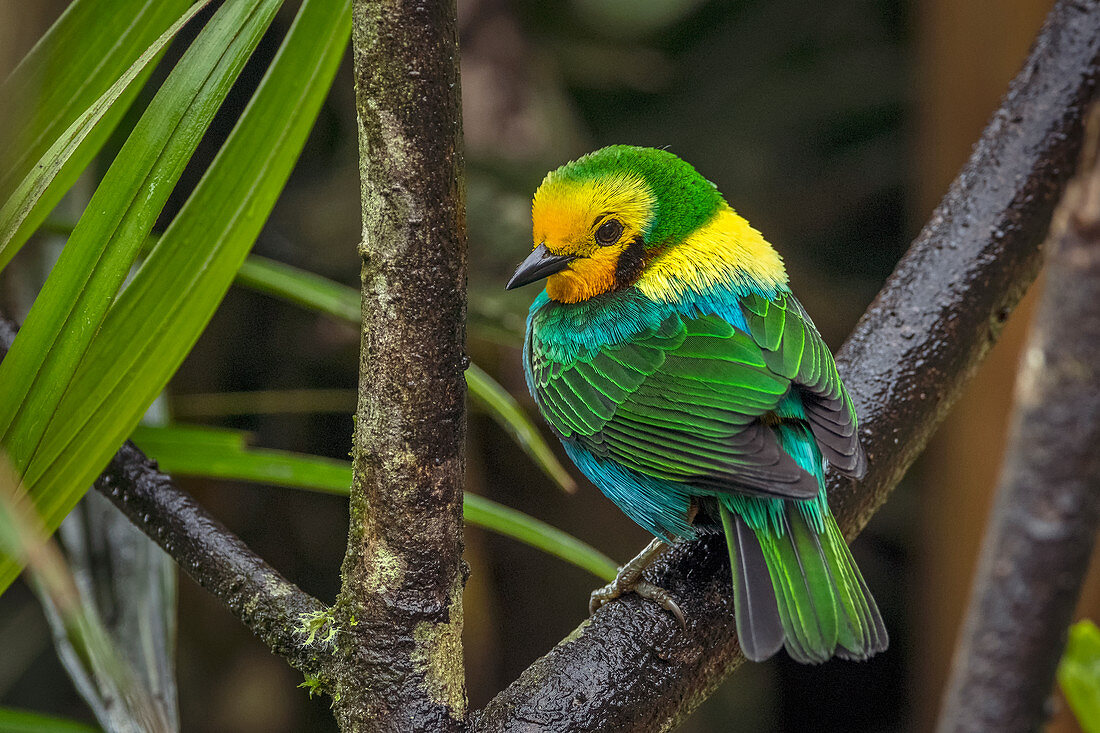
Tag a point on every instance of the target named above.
point(609, 232)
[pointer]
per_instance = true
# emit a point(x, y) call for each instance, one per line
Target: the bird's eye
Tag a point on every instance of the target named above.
point(609, 232)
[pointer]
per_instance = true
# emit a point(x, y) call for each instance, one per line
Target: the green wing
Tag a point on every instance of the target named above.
point(683, 401)
point(792, 347)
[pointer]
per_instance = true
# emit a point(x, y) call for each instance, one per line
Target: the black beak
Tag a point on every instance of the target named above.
point(540, 263)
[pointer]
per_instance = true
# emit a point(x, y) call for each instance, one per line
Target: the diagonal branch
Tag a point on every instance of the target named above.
point(905, 364)
point(272, 607)
point(267, 603)
point(1044, 521)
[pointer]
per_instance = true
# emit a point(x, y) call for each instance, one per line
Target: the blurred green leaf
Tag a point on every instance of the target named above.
point(506, 411)
point(25, 721)
point(186, 450)
point(71, 151)
point(315, 292)
point(302, 288)
point(78, 61)
point(538, 534)
point(23, 536)
point(156, 319)
point(218, 453)
point(1079, 674)
point(264, 402)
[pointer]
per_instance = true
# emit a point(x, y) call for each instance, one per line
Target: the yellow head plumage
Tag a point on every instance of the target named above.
point(627, 216)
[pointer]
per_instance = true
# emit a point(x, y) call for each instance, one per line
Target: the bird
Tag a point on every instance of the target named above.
point(687, 382)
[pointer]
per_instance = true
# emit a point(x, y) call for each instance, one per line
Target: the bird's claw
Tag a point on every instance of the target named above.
point(644, 588)
point(600, 596)
point(661, 597)
point(629, 578)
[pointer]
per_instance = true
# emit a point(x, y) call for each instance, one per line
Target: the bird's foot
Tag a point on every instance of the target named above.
point(629, 579)
point(645, 589)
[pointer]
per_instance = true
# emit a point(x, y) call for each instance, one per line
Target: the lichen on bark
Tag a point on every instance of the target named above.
point(403, 575)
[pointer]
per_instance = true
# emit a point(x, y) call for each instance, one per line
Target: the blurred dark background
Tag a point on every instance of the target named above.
point(833, 126)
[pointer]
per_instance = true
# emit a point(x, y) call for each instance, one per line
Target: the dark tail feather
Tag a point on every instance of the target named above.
point(759, 629)
point(800, 589)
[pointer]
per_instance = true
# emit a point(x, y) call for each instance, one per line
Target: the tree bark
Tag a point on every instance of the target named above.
point(630, 667)
point(399, 665)
point(1047, 510)
point(398, 658)
point(268, 604)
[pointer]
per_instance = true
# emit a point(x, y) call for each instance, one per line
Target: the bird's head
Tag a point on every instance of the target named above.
point(599, 220)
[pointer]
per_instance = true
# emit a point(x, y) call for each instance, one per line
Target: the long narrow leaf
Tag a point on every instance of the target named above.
point(68, 153)
point(157, 318)
point(102, 248)
point(506, 411)
point(217, 453)
point(264, 402)
point(25, 721)
point(82, 54)
point(71, 65)
point(315, 292)
point(200, 451)
point(538, 534)
point(300, 287)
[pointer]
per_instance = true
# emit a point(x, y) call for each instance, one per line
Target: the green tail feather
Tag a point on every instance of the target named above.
point(800, 588)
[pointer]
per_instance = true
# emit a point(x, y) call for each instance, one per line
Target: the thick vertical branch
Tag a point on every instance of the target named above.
point(1045, 517)
point(631, 668)
point(400, 606)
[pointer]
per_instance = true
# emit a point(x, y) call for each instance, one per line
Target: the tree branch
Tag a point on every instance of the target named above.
point(1047, 511)
point(631, 667)
point(265, 602)
point(400, 605)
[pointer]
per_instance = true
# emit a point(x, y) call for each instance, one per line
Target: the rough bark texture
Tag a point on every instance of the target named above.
point(630, 667)
point(400, 606)
point(1037, 548)
point(272, 607)
point(398, 662)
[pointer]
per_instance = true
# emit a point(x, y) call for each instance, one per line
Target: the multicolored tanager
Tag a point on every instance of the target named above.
point(688, 384)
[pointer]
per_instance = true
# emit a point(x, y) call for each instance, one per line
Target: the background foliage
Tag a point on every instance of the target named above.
point(833, 127)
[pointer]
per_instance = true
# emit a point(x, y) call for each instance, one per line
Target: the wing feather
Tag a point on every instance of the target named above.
point(802, 356)
point(682, 402)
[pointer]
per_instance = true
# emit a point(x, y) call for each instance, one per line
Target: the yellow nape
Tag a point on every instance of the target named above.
point(725, 250)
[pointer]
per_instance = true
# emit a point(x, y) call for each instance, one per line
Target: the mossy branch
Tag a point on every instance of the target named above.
point(400, 666)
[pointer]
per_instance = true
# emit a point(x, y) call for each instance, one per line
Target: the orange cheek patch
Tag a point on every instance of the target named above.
point(585, 277)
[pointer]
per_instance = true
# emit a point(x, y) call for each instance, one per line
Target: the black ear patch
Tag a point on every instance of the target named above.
point(631, 263)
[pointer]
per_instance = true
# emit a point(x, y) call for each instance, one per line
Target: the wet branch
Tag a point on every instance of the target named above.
point(265, 602)
point(1036, 550)
point(268, 604)
point(905, 364)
